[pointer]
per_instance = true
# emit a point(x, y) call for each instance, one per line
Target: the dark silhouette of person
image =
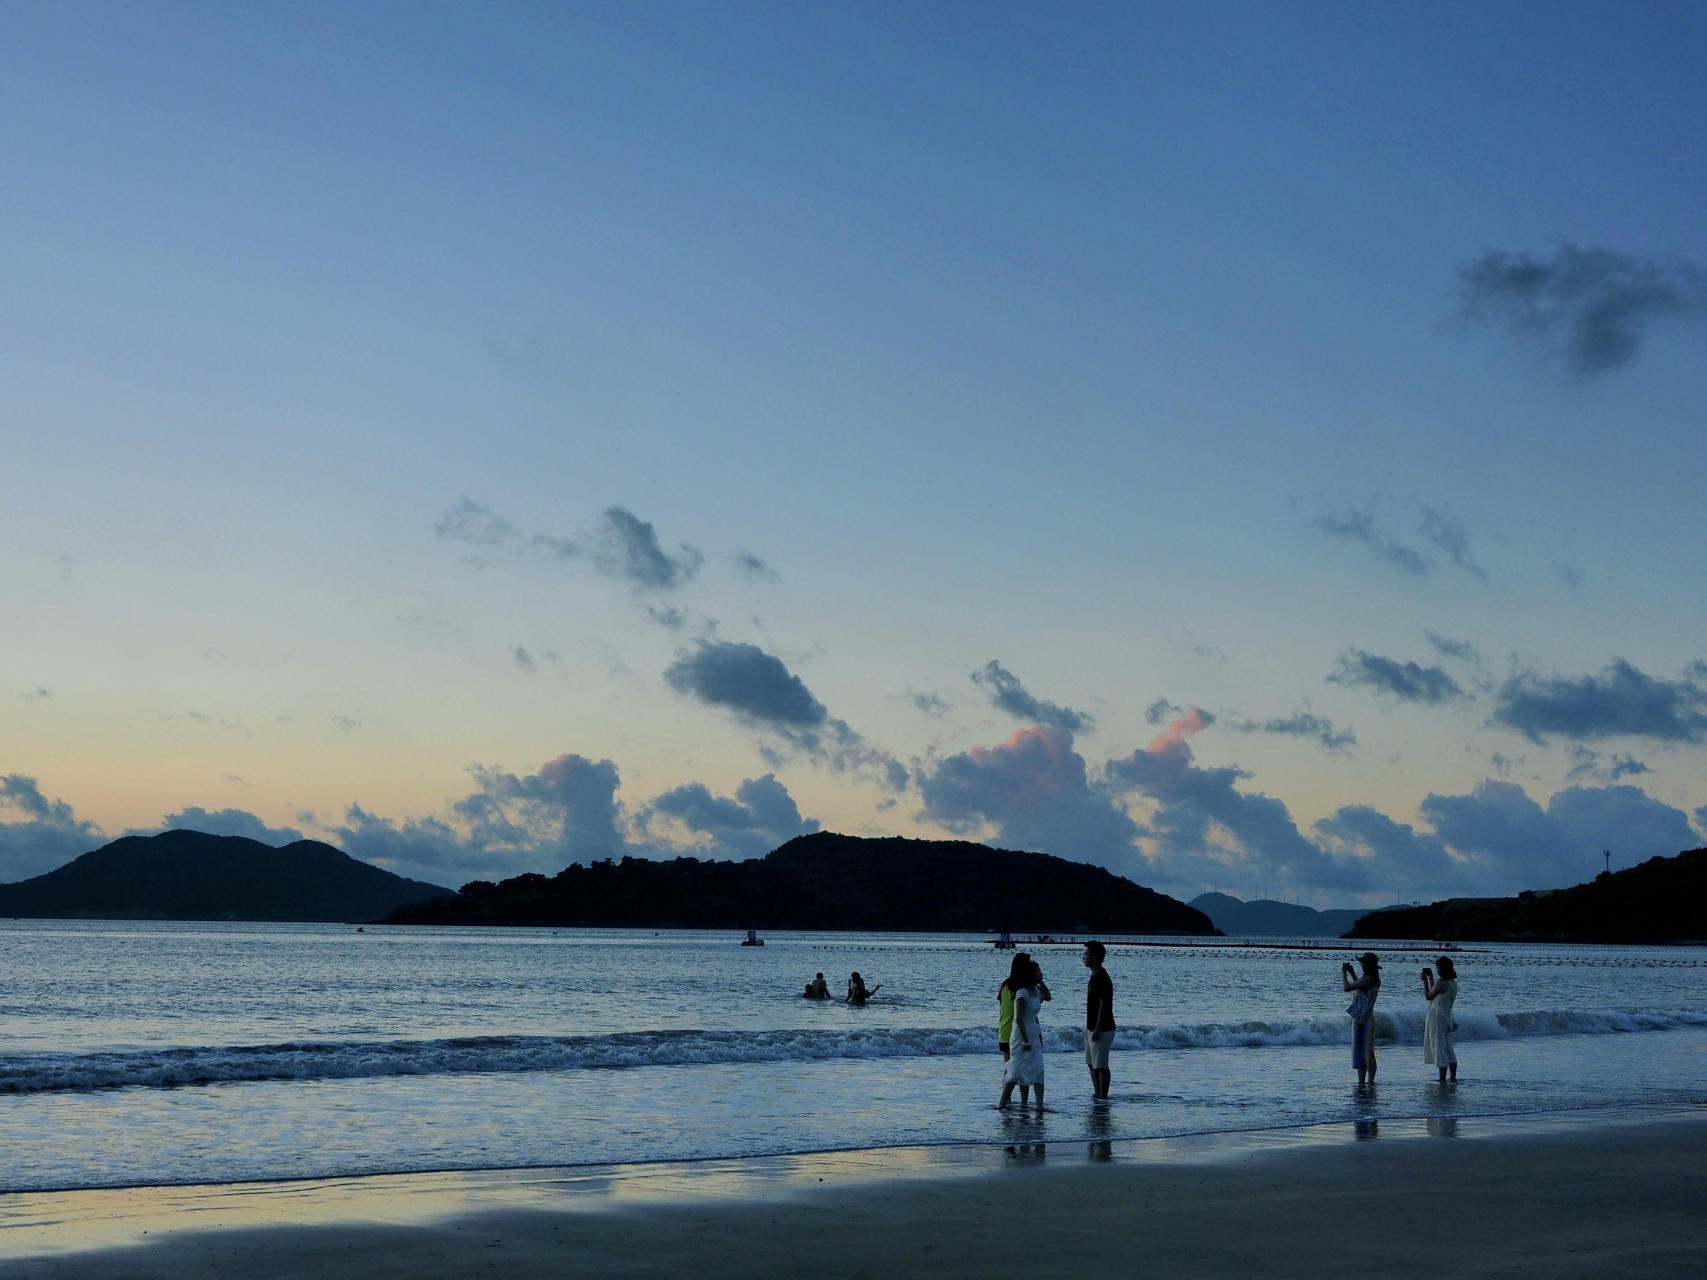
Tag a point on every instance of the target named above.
point(857, 993)
point(1099, 1020)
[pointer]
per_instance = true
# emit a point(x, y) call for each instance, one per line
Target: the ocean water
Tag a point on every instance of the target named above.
point(143, 1053)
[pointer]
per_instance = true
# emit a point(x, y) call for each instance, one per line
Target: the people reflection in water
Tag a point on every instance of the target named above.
point(1099, 1128)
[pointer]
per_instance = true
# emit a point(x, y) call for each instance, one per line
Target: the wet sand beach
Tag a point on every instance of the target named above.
point(1594, 1194)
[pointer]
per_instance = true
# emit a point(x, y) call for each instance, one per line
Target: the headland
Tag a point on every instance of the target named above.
point(190, 875)
point(829, 881)
point(1662, 900)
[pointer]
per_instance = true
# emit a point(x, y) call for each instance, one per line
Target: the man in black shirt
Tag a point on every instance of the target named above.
point(1099, 1020)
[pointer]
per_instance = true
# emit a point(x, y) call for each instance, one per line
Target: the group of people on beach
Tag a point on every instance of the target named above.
point(1023, 992)
point(1440, 989)
point(1020, 1035)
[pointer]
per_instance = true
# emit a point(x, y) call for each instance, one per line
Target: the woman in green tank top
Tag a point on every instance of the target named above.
point(1019, 973)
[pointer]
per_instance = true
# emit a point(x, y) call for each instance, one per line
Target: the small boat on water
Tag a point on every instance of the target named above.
point(1005, 942)
point(752, 939)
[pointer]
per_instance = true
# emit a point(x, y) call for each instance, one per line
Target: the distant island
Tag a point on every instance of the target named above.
point(1265, 918)
point(1661, 900)
point(189, 875)
point(829, 881)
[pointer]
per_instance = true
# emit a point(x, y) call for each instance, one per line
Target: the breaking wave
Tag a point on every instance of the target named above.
point(343, 1060)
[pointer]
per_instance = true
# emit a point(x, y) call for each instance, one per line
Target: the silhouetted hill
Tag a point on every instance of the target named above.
point(1661, 900)
point(1265, 918)
point(189, 875)
point(829, 881)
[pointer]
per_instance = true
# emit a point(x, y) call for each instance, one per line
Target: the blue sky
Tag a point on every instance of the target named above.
point(487, 439)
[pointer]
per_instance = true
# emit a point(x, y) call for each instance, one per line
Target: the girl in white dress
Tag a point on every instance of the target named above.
point(1025, 1062)
point(1438, 1026)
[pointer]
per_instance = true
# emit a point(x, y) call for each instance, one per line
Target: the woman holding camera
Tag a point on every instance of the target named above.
point(1439, 1026)
point(1362, 1011)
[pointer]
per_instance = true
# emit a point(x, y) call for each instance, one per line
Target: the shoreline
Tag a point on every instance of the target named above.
point(1399, 1127)
point(155, 1230)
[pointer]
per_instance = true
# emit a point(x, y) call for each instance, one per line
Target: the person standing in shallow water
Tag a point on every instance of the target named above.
point(1018, 972)
point(1025, 1064)
point(1362, 1011)
point(1099, 1020)
point(1439, 1026)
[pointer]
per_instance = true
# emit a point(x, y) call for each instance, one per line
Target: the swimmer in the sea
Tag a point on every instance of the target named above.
point(857, 993)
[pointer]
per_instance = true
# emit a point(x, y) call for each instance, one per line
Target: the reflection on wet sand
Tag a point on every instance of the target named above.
point(38, 1223)
point(1099, 1128)
point(1587, 1195)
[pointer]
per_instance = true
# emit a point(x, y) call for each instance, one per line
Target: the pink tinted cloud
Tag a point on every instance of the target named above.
point(1195, 720)
point(1038, 760)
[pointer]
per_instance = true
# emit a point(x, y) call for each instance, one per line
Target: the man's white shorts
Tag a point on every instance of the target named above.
point(1096, 1050)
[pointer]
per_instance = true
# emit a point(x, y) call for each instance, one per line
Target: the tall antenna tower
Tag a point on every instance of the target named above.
point(1607, 854)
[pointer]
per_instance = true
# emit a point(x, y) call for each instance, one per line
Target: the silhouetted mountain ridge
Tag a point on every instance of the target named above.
point(190, 875)
point(1660, 900)
point(829, 881)
point(1265, 918)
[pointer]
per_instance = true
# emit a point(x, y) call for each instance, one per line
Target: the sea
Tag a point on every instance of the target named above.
point(141, 1053)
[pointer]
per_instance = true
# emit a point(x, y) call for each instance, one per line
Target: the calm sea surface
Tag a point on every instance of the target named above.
point(157, 1053)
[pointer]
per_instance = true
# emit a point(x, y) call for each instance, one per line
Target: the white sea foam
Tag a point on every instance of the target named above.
point(338, 1060)
point(1406, 1027)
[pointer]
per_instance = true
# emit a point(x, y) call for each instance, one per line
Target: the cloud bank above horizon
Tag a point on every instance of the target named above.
point(1154, 815)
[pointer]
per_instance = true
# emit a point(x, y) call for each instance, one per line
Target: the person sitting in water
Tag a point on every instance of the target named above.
point(857, 993)
point(817, 989)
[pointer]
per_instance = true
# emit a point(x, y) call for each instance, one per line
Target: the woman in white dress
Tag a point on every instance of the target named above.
point(1438, 1026)
point(1025, 1061)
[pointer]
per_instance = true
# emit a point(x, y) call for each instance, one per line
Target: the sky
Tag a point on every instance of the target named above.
point(1248, 447)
